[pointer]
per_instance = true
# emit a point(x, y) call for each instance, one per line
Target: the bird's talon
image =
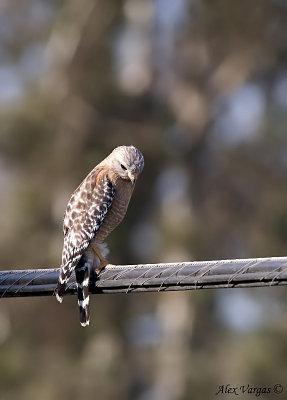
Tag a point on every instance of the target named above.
point(100, 267)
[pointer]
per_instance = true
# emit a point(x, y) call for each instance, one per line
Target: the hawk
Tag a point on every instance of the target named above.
point(96, 207)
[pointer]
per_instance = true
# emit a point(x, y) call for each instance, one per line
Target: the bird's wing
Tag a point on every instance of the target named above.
point(87, 209)
point(84, 216)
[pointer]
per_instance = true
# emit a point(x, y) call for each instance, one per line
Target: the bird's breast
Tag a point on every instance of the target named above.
point(118, 209)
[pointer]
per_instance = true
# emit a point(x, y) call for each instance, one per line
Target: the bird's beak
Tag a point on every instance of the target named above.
point(133, 177)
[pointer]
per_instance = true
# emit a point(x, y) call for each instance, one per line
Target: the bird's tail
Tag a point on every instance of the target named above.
point(82, 278)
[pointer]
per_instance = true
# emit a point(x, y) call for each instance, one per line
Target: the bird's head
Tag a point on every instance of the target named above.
point(127, 161)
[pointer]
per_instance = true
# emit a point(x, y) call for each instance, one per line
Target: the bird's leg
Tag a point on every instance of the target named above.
point(103, 261)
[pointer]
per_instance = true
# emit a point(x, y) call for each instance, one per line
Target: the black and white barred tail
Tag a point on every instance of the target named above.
point(82, 281)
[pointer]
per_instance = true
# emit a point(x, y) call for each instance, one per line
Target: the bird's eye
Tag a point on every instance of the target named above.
point(123, 167)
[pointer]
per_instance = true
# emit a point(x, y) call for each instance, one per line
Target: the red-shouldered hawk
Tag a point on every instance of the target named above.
point(96, 207)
